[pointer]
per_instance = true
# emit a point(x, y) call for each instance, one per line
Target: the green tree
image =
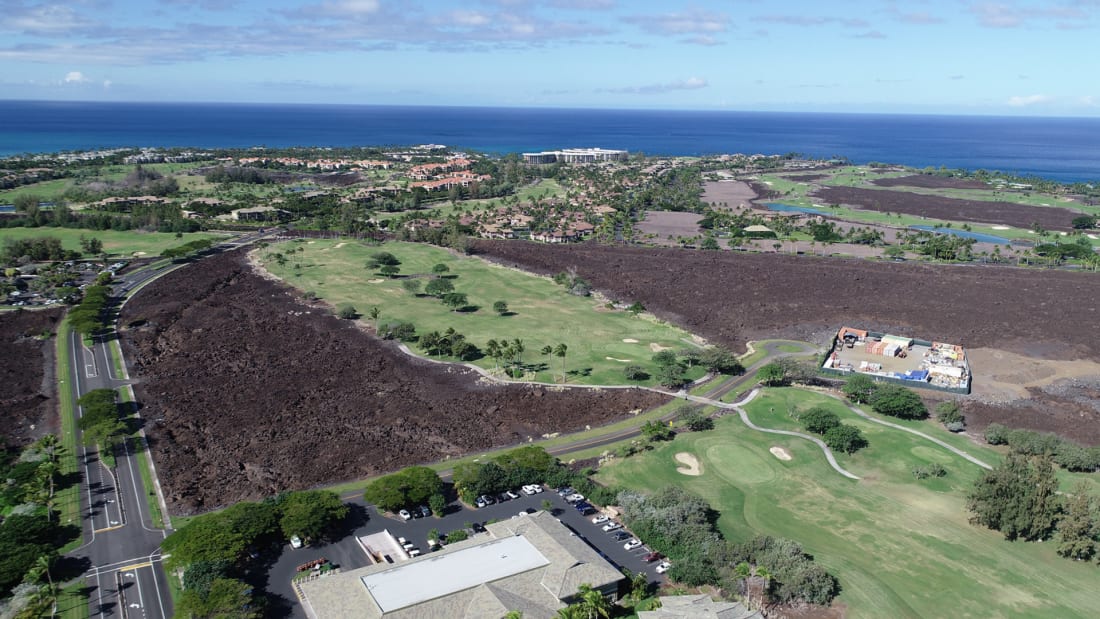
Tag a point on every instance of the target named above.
point(437, 504)
point(1079, 528)
point(440, 268)
point(390, 270)
point(382, 258)
point(591, 603)
point(635, 372)
point(560, 351)
point(386, 493)
point(500, 307)
point(421, 484)
point(310, 513)
point(411, 286)
point(226, 599)
point(949, 414)
point(455, 300)
point(439, 287)
point(91, 245)
point(818, 420)
point(773, 375)
point(1017, 497)
point(657, 431)
point(859, 388)
point(844, 438)
point(636, 308)
point(898, 401)
point(665, 358)
point(347, 311)
point(709, 243)
point(671, 376)
point(720, 360)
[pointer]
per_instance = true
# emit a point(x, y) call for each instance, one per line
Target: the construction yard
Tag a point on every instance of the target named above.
point(916, 363)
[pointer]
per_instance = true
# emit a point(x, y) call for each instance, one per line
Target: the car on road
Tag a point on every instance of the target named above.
point(632, 544)
point(405, 515)
point(295, 541)
point(611, 526)
point(600, 519)
point(664, 567)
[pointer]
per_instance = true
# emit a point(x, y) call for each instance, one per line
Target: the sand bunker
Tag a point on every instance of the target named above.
point(1002, 227)
point(338, 245)
point(630, 340)
point(375, 281)
point(780, 453)
point(619, 360)
point(691, 464)
point(655, 347)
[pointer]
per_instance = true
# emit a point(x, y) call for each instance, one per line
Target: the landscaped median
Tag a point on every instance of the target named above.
point(68, 498)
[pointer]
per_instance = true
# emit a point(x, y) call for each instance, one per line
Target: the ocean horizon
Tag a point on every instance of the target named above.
point(1060, 148)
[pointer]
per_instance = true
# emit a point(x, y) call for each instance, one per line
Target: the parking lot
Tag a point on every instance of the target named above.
point(346, 553)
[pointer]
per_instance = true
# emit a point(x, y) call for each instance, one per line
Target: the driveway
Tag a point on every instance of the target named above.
point(365, 520)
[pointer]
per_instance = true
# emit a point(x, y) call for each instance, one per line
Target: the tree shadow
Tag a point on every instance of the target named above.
point(468, 309)
point(580, 372)
point(357, 517)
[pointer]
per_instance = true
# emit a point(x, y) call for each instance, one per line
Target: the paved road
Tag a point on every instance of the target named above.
point(122, 544)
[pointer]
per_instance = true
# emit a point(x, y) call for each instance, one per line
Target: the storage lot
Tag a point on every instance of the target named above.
point(347, 554)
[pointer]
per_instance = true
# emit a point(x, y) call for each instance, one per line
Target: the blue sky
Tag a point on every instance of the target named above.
point(943, 57)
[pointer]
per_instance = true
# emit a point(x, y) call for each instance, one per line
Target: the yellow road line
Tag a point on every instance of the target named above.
point(134, 566)
point(117, 526)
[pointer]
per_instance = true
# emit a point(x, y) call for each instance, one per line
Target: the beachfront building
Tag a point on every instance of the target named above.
point(530, 563)
point(575, 155)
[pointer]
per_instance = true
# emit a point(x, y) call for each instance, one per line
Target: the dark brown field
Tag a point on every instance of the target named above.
point(732, 298)
point(27, 385)
point(929, 181)
point(248, 391)
point(951, 209)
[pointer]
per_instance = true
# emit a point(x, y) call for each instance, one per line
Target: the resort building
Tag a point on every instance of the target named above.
point(531, 563)
point(575, 155)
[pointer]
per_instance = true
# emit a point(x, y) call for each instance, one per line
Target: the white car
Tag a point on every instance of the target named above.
point(611, 526)
point(295, 541)
point(405, 515)
point(600, 519)
point(532, 489)
point(664, 567)
point(632, 544)
point(574, 498)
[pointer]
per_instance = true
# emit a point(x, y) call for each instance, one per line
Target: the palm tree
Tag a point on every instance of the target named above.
point(47, 594)
point(373, 313)
point(559, 351)
point(592, 603)
point(517, 351)
point(492, 348)
point(514, 614)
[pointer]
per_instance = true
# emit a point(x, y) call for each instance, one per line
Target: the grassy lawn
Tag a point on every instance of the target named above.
point(900, 547)
point(46, 190)
point(73, 603)
point(600, 342)
point(116, 243)
point(68, 499)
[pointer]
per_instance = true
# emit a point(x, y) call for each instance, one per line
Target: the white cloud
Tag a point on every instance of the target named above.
point(681, 23)
point(1028, 100)
point(75, 77)
point(691, 83)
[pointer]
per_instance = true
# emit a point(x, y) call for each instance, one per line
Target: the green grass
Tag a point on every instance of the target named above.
point(543, 312)
point(73, 602)
point(47, 191)
point(116, 243)
point(68, 499)
point(900, 547)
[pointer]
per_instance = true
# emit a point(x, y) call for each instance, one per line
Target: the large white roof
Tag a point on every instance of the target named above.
point(433, 577)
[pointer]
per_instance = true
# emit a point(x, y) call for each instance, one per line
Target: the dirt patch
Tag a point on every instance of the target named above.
point(728, 194)
point(780, 453)
point(691, 464)
point(375, 281)
point(246, 394)
point(338, 245)
point(27, 383)
point(929, 181)
point(951, 209)
point(663, 224)
point(1002, 376)
point(732, 298)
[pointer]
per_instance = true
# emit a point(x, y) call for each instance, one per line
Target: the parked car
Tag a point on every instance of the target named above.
point(478, 527)
point(621, 535)
point(564, 492)
point(651, 557)
point(511, 495)
point(425, 511)
point(485, 500)
point(405, 515)
point(503, 496)
point(295, 541)
point(664, 567)
point(611, 526)
point(530, 489)
point(632, 544)
point(600, 519)
point(587, 510)
point(574, 498)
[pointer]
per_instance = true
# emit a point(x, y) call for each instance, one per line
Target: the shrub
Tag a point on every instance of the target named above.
point(845, 438)
point(996, 434)
point(898, 401)
point(635, 372)
point(694, 419)
point(860, 388)
point(925, 471)
point(347, 311)
point(457, 536)
point(950, 416)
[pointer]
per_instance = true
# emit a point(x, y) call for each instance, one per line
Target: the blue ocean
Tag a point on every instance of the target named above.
point(1065, 149)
